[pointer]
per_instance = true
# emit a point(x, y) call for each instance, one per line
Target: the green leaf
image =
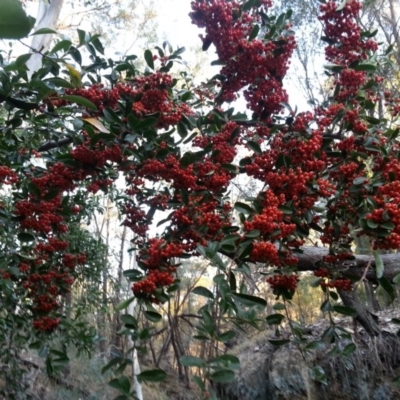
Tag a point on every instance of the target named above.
point(388, 288)
point(372, 224)
point(226, 336)
point(326, 306)
point(25, 237)
point(396, 279)
point(350, 348)
point(359, 180)
point(130, 320)
point(111, 115)
point(243, 208)
point(318, 374)
point(202, 291)
point(248, 300)
point(379, 266)
point(122, 383)
point(365, 67)
point(148, 56)
point(199, 382)
point(132, 274)
point(153, 375)
point(228, 360)
point(59, 82)
point(44, 31)
point(278, 306)
point(115, 361)
point(153, 316)
point(247, 6)
point(79, 100)
point(254, 32)
point(254, 146)
point(124, 304)
point(223, 376)
point(316, 345)
point(191, 361)
point(275, 319)
point(14, 23)
point(345, 311)
point(146, 123)
point(182, 129)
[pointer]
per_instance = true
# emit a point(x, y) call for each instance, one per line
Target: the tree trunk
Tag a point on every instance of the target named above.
point(137, 386)
point(47, 17)
point(364, 317)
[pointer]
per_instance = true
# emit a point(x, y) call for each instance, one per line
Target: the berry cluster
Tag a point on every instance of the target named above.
point(287, 282)
point(258, 65)
point(341, 284)
point(99, 95)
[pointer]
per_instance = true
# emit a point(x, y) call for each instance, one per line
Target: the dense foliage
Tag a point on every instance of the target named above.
point(71, 131)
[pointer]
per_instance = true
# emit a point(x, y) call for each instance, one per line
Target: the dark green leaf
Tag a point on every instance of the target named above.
point(148, 56)
point(243, 208)
point(388, 287)
point(124, 304)
point(396, 279)
point(112, 363)
point(365, 67)
point(254, 32)
point(154, 375)
point(82, 101)
point(191, 361)
point(223, 376)
point(275, 319)
point(44, 31)
point(254, 146)
point(182, 129)
point(316, 345)
point(153, 316)
point(350, 348)
point(146, 123)
point(248, 300)
point(226, 336)
point(202, 291)
point(345, 311)
point(130, 320)
point(25, 237)
point(14, 23)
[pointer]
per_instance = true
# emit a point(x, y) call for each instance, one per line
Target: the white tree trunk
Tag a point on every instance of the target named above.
point(137, 386)
point(47, 17)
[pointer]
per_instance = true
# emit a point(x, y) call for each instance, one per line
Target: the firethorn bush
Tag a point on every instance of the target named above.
point(332, 172)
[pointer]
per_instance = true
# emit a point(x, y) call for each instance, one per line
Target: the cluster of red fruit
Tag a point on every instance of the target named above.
point(341, 284)
point(198, 216)
point(46, 324)
point(338, 283)
point(346, 43)
point(99, 95)
point(257, 64)
point(7, 176)
point(155, 279)
point(286, 282)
